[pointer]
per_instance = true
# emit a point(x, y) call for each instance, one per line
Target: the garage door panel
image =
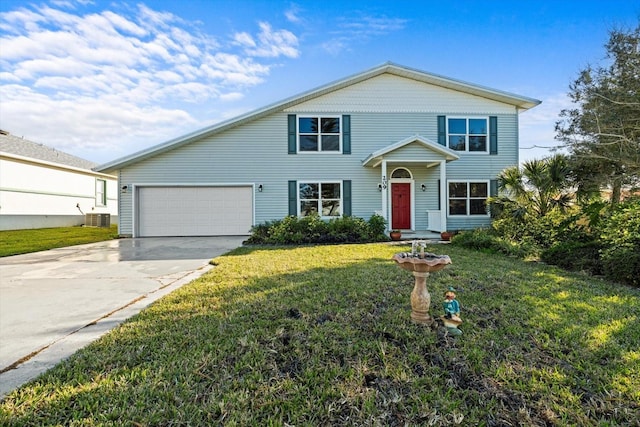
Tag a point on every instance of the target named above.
point(194, 211)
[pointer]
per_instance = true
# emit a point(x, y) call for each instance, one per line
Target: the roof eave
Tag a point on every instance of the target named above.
point(520, 102)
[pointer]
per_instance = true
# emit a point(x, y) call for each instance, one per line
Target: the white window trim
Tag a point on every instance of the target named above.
point(319, 117)
point(319, 181)
point(468, 198)
point(101, 196)
point(466, 138)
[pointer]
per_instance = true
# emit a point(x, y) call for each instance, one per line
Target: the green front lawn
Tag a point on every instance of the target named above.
point(321, 336)
point(14, 242)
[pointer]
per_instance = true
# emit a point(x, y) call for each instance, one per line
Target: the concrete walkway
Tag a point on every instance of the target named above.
point(54, 302)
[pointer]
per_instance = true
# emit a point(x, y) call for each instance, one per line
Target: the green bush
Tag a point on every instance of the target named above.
point(487, 240)
point(543, 232)
point(622, 264)
point(575, 256)
point(377, 226)
point(294, 230)
point(621, 240)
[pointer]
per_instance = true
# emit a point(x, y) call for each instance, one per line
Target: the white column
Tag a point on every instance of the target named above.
point(383, 179)
point(443, 195)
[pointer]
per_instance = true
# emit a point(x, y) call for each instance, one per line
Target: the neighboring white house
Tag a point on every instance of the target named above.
point(41, 187)
point(422, 150)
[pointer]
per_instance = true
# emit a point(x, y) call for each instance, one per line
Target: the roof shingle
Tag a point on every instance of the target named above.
point(22, 147)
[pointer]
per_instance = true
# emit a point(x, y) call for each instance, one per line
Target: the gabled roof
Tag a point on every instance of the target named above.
point(21, 147)
point(375, 158)
point(521, 102)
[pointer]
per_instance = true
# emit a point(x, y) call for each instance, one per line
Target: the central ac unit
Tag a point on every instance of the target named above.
point(97, 220)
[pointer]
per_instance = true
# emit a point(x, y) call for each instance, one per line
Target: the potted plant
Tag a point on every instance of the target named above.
point(447, 235)
point(395, 234)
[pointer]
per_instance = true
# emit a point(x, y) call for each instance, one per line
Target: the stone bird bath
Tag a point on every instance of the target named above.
point(421, 264)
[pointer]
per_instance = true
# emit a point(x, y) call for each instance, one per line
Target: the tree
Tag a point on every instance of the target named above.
point(602, 131)
point(535, 190)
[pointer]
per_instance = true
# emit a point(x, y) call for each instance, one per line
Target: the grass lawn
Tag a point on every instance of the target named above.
point(15, 242)
point(321, 336)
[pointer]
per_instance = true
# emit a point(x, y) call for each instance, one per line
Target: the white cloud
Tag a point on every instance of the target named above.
point(109, 79)
point(270, 43)
point(360, 29)
point(121, 23)
point(244, 39)
point(231, 96)
point(293, 14)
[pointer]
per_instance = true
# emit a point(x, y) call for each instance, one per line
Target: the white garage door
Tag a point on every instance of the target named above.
point(194, 211)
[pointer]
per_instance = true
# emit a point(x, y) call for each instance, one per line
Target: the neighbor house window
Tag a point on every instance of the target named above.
point(101, 192)
point(322, 198)
point(467, 134)
point(468, 198)
point(316, 134)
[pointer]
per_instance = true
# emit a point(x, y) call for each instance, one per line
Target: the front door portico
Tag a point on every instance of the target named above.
point(397, 193)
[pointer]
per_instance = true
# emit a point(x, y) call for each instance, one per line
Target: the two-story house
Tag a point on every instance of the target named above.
point(420, 149)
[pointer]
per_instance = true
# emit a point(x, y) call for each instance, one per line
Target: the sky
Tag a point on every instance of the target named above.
point(105, 79)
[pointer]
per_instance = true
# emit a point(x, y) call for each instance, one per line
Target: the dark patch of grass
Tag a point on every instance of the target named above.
point(15, 242)
point(322, 336)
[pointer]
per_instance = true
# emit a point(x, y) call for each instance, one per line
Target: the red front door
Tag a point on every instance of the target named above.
point(401, 205)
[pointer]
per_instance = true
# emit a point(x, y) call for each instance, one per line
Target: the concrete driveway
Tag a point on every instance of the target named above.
point(54, 302)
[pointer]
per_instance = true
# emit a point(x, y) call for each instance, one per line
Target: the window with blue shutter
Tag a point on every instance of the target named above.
point(468, 134)
point(493, 135)
point(442, 130)
point(346, 134)
point(293, 198)
point(346, 197)
point(292, 134)
point(468, 198)
point(329, 199)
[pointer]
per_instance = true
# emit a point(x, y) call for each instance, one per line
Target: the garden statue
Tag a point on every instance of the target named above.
point(451, 316)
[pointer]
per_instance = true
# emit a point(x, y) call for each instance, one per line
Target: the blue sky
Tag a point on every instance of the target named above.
point(103, 79)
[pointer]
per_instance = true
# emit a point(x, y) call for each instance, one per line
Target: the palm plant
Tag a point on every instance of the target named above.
point(541, 186)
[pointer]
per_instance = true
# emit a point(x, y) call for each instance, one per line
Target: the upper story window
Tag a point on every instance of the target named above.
point(322, 198)
point(467, 134)
point(101, 192)
point(320, 133)
point(468, 198)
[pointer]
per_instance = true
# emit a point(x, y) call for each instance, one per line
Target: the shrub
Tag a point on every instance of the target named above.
point(313, 229)
point(622, 264)
point(489, 241)
point(377, 225)
point(575, 255)
point(480, 238)
point(621, 240)
point(347, 229)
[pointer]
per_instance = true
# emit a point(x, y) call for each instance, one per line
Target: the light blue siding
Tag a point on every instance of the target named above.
point(393, 112)
point(257, 153)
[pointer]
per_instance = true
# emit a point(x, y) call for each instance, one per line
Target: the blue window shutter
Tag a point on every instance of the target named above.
point(293, 198)
point(293, 140)
point(346, 197)
point(493, 135)
point(442, 130)
point(493, 187)
point(346, 134)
